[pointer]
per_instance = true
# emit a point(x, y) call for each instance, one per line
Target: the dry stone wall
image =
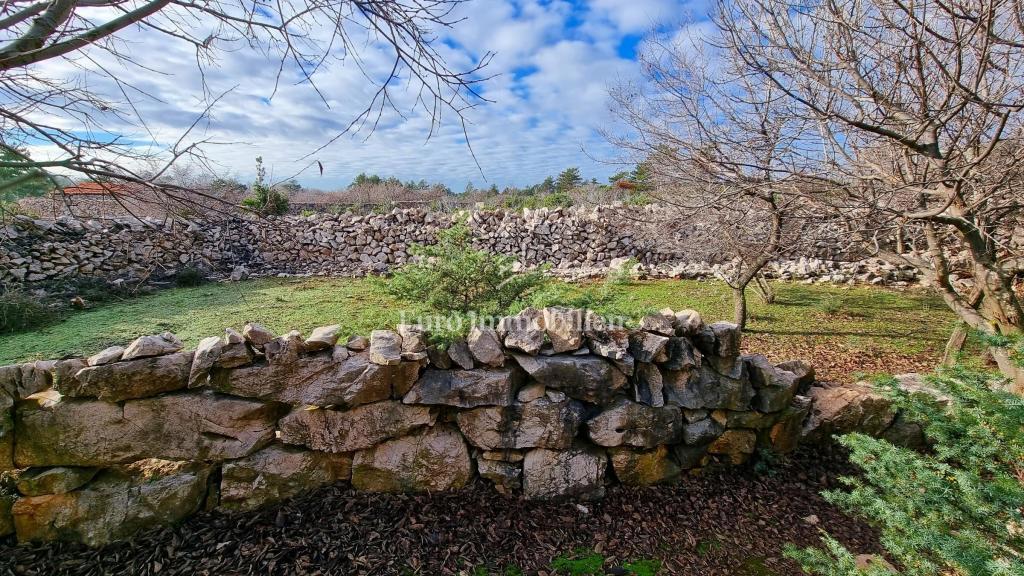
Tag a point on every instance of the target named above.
point(576, 242)
point(551, 403)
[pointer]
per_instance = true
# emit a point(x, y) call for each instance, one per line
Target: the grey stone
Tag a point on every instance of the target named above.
point(564, 327)
point(460, 354)
point(530, 392)
point(106, 356)
point(206, 355)
point(465, 388)
point(285, 349)
point(660, 323)
point(708, 389)
point(19, 381)
point(414, 338)
point(485, 346)
point(682, 355)
point(356, 429)
point(322, 338)
point(131, 379)
point(506, 476)
point(702, 432)
point(537, 424)
point(59, 480)
point(586, 378)
point(649, 386)
point(431, 461)
point(688, 322)
point(147, 346)
point(385, 347)
point(627, 423)
point(257, 335)
point(647, 347)
point(357, 343)
point(279, 472)
point(525, 331)
point(574, 473)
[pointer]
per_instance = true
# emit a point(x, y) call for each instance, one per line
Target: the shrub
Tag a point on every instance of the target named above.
point(453, 277)
point(957, 509)
point(263, 198)
point(21, 310)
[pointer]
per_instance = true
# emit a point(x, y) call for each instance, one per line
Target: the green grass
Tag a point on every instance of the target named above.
point(856, 329)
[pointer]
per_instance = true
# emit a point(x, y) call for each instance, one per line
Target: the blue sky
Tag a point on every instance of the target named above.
point(554, 59)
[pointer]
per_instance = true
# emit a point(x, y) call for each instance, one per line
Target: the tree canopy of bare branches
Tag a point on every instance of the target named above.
point(302, 38)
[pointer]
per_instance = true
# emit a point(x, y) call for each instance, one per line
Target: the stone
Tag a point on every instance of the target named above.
point(130, 379)
point(485, 346)
point(745, 419)
point(727, 339)
point(702, 432)
point(405, 376)
point(465, 388)
point(205, 357)
point(506, 476)
point(357, 343)
point(257, 335)
point(19, 381)
point(116, 505)
point(503, 455)
point(459, 353)
point(148, 346)
point(59, 480)
point(6, 439)
point(6, 516)
point(318, 379)
point(564, 327)
point(279, 472)
point(707, 389)
point(431, 461)
point(643, 468)
point(649, 386)
point(682, 355)
point(179, 426)
point(414, 338)
point(627, 423)
point(660, 323)
point(646, 347)
point(774, 387)
point(737, 444)
point(586, 378)
point(803, 371)
point(64, 372)
point(784, 435)
point(688, 322)
point(574, 473)
point(610, 342)
point(537, 424)
point(840, 409)
point(322, 338)
point(285, 349)
point(385, 347)
point(234, 353)
point(356, 429)
point(530, 392)
point(525, 331)
point(688, 457)
point(439, 357)
point(106, 356)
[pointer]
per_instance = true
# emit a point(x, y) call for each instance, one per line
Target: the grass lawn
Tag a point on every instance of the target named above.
point(842, 330)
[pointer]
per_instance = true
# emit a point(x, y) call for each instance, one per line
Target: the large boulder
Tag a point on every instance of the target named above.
point(179, 426)
point(320, 379)
point(537, 424)
point(465, 388)
point(574, 473)
point(564, 327)
point(643, 467)
point(433, 460)
point(627, 423)
point(129, 380)
point(586, 377)
point(157, 345)
point(839, 409)
point(116, 505)
point(707, 388)
point(356, 429)
point(278, 472)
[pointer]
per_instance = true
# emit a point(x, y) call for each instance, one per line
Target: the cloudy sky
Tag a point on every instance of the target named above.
point(553, 63)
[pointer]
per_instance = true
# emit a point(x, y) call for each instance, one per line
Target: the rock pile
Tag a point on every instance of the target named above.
point(550, 403)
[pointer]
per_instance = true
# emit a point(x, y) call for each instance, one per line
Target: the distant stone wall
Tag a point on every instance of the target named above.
point(549, 404)
point(578, 243)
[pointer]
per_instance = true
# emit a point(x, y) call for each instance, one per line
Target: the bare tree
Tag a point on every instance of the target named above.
point(918, 110)
point(303, 37)
point(724, 153)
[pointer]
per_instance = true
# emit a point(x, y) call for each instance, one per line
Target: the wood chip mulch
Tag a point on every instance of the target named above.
point(731, 523)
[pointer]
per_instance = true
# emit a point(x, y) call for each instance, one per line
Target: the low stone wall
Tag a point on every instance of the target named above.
point(549, 404)
point(578, 243)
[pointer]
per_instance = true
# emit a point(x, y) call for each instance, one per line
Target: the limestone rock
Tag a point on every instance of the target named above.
point(322, 338)
point(506, 476)
point(385, 347)
point(803, 371)
point(279, 472)
point(525, 331)
point(439, 357)
point(6, 439)
point(318, 380)
point(736, 444)
point(131, 379)
point(530, 392)
point(180, 426)
point(774, 387)
point(357, 343)
point(647, 347)
point(257, 335)
point(688, 322)
point(660, 323)
point(537, 424)
point(727, 339)
point(206, 355)
point(64, 372)
point(404, 377)
point(116, 505)
point(465, 388)
point(19, 381)
point(147, 346)
point(626, 423)
point(707, 389)
point(610, 342)
point(840, 409)
point(586, 378)
point(643, 468)
point(649, 385)
point(434, 460)
point(574, 473)
point(485, 346)
point(356, 429)
point(285, 349)
point(59, 480)
point(702, 432)
point(564, 327)
point(784, 435)
point(460, 354)
point(682, 355)
point(106, 356)
point(414, 338)
point(6, 517)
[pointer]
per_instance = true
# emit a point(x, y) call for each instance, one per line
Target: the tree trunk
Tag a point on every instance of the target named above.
point(739, 300)
point(1009, 369)
point(955, 344)
point(764, 289)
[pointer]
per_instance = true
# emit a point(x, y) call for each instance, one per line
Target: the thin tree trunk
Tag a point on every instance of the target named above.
point(955, 344)
point(764, 289)
point(739, 300)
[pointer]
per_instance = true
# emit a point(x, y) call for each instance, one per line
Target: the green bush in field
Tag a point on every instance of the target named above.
point(262, 197)
point(452, 277)
point(21, 310)
point(956, 509)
